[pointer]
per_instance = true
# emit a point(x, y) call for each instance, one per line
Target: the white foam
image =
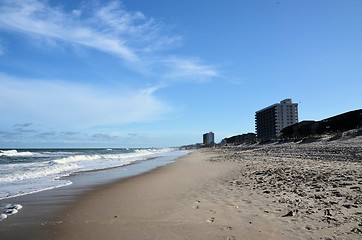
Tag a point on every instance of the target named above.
point(14, 206)
point(29, 177)
point(10, 209)
point(33, 187)
point(3, 216)
point(25, 178)
point(18, 172)
point(15, 153)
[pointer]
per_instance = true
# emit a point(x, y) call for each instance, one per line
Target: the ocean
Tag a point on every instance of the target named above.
point(30, 171)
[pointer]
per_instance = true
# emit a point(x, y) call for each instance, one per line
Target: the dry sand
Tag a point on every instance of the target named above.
point(274, 191)
point(313, 188)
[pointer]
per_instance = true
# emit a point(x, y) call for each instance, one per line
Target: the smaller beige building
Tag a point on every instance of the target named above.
point(208, 138)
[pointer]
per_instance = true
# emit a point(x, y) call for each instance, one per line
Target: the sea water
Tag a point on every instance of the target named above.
point(29, 171)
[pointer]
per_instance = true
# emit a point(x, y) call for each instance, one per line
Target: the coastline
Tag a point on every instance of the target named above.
point(272, 191)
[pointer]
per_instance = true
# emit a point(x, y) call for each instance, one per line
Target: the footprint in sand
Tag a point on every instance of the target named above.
point(196, 206)
point(226, 228)
point(210, 220)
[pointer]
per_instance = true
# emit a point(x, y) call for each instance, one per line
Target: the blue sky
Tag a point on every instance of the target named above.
point(161, 73)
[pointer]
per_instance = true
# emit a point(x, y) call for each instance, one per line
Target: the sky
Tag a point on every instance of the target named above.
point(141, 73)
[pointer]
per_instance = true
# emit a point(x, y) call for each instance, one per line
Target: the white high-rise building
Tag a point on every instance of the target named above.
point(271, 120)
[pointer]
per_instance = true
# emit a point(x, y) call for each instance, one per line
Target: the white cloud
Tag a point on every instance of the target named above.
point(71, 106)
point(2, 52)
point(130, 35)
point(76, 12)
point(34, 17)
point(116, 19)
point(188, 68)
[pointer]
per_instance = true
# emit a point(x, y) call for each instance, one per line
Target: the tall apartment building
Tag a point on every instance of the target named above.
point(271, 120)
point(208, 138)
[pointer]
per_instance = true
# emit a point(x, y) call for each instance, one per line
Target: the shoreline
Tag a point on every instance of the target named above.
point(40, 208)
point(176, 201)
point(156, 204)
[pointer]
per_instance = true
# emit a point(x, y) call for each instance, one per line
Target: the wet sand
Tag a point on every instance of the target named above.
point(41, 210)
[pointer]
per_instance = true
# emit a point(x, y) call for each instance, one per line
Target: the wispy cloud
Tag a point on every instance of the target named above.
point(72, 106)
point(23, 125)
point(47, 134)
point(188, 68)
point(2, 47)
point(70, 133)
point(105, 136)
point(138, 40)
point(36, 18)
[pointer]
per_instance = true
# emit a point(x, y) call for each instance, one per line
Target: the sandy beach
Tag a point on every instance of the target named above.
point(304, 190)
point(172, 202)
